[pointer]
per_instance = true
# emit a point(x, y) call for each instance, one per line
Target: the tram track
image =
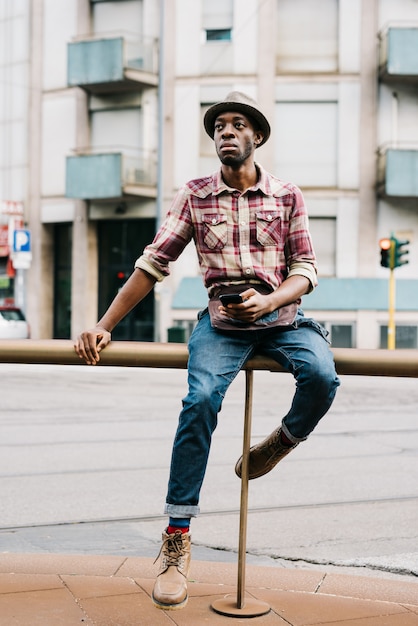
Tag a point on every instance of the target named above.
point(215, 512)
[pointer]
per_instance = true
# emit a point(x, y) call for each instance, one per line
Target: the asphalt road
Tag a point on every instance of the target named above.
point(85, 452)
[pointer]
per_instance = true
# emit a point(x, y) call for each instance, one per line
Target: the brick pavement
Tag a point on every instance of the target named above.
point(66, 590)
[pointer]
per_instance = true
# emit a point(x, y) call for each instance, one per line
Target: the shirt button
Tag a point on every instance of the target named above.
point(269, 217)
point(214, 220)
point(243, 223)
point(248, 271)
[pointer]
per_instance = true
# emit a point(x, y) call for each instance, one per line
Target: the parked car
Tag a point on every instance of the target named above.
point(13, 324)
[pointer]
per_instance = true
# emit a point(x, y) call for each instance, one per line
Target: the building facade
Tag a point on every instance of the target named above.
point(101, 120)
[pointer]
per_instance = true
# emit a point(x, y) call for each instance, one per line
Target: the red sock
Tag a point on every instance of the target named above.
point(286, 441)
point(172, 529)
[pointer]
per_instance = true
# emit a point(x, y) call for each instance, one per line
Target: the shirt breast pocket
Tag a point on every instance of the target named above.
point(215, 231)
point(269, 228)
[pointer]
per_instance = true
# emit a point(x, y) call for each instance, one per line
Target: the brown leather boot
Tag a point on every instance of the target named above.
point(170, 589)
point(264, 456)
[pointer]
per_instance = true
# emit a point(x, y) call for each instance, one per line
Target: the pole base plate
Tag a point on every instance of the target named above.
point(228, 606)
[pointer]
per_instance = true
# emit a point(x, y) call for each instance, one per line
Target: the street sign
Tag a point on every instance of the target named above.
point(21, 240)
point(21, 253)
point(21, 260)
point(4, 240)
point(9, 207)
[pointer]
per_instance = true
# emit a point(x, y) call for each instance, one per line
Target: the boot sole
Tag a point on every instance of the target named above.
point(169, 607)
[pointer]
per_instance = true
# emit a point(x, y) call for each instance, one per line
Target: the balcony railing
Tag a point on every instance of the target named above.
point(112, 173)
point(112, 63)
point(398, 53)
point(397, 171)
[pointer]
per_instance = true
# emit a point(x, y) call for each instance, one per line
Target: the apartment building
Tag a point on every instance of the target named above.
point(101, 119)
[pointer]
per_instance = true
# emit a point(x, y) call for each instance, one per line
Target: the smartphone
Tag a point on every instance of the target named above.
point(231, 298)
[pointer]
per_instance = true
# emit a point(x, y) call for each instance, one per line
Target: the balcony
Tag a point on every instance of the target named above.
point(111, 175)
point(398, 54)
point(109, 64)
point(397, 173)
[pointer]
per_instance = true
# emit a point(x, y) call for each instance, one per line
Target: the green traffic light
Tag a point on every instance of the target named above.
point(400, 252)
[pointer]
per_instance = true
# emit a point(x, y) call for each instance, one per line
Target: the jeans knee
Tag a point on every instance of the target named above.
point(203, 400)
point(321, 376)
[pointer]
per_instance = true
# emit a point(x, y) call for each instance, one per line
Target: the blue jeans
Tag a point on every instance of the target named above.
point(215, 358)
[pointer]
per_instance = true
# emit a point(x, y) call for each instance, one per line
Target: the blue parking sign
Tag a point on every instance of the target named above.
point(21, 240)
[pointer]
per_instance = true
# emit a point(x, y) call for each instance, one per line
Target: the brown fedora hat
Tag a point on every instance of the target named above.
point(237, 101)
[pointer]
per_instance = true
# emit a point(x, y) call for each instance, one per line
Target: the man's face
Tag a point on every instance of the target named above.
point(235, 138)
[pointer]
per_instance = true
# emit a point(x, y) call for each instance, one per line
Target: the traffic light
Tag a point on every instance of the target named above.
point(120, 279)
point(386, 247)
point(400, 252)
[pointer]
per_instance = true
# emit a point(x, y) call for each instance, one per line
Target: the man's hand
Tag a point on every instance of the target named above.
point(90, 342)
point(254, 306)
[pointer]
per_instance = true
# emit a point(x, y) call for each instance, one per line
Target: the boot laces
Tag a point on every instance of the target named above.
point(274, 444)
point(172, 550)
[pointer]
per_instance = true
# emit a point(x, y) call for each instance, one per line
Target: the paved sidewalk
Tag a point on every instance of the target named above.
point(69, 590)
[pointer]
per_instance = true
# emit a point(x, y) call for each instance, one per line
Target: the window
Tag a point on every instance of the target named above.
point(181, 331)
point(117, 128)
point(115, 16)
point(218, 34)
point(323, 231)
point(405, 337)
point(216, 55)
point(306, 147)
point(208, 161)
point(307, 36)
point(340, 335)
point(6, 283)
point(63, 234)
point(207, 147)
point(217, 15)
point(119, 243)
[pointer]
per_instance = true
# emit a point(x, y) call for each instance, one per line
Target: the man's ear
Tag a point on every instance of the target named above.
point(258, 138)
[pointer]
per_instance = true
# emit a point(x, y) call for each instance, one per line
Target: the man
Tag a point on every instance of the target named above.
point(251, 235)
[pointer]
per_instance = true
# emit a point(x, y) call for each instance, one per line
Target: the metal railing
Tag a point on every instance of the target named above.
point(172, 355)
point(349, 361)
point(139, 52)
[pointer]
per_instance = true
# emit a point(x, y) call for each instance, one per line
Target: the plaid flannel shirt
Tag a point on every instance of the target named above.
point(259, 236)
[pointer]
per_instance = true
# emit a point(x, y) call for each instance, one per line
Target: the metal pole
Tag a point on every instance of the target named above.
point(160, 161)
point(20, 292)
point(240, 606)
point(244, 488)
point(391, 323)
